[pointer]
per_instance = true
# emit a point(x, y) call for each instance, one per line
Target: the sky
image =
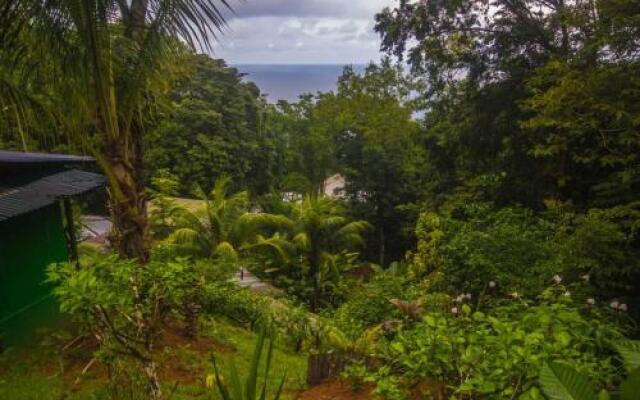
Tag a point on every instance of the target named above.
point(301, 32)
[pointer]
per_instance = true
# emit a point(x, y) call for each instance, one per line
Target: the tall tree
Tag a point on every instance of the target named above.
point(374, 136)
point(106, 58)
point(519, 100)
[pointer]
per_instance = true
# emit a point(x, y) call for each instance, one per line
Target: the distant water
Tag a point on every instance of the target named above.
point(287, 82)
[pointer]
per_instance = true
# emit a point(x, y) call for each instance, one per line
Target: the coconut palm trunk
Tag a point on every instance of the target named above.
point(128, 200)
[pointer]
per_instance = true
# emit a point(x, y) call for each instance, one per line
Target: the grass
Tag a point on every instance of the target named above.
point(193, 205)
point(44, 373)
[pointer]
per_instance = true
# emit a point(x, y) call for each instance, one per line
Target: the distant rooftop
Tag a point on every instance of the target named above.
point(18, 158)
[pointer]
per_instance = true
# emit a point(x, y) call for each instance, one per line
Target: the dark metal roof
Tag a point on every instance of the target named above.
point(46, 191)
point(17, 157)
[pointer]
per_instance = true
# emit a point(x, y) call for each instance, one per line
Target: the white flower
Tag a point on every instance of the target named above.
point(614, 304)
point(567, 294)
point(515, 295)
point(460, 299)
point(492, 284)
point(557, 279)
point(622, 307)
point(468, 296)
point(591, 302)
point(454, 311)
point(585, 277)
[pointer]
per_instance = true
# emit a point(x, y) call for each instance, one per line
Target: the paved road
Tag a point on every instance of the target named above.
point(246, 279)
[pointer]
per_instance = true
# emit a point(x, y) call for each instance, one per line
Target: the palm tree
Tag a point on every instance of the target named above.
point(105, 60)
point(224, 227)
point(319, 240)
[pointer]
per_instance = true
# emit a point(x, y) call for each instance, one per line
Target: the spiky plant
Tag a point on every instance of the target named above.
point(250, 389)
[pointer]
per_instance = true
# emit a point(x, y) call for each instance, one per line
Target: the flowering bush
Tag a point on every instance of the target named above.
point(497, 354)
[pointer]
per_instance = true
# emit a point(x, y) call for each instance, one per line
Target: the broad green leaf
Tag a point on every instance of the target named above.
point(630, 388)
point(562, 382)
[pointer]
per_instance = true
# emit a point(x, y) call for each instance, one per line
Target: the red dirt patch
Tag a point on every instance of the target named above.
point(176, 369)
point(173, 337)
point(74, 361)
point(335, 390)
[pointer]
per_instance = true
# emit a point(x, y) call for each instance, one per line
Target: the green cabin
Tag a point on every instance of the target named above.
point(35, 211)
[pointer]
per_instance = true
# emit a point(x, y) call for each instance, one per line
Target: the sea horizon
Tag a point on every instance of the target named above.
point(289, 81)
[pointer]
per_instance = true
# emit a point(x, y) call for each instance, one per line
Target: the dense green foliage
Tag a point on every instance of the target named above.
point(486, 242)
point(212, 125)
point(543, 104)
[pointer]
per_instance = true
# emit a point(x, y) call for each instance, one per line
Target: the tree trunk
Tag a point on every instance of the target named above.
point(123, 156)
point(322, 367)
point(382, 246)
point(150, 369)
point(316, 290)
point(128, 200)
point(191, 311)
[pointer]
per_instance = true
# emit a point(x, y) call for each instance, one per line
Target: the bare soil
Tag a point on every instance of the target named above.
point(335, 390)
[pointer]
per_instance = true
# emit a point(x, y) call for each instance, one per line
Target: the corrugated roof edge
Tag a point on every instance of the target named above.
point(17, 157)
point(48, 190)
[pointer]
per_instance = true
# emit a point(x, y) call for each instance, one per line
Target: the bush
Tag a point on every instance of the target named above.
point(521, 251)
point(497, 354)
point(507, 247)
point(369, 305)
point(123, 304)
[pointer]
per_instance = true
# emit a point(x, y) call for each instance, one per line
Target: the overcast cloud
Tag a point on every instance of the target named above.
point(301, 32)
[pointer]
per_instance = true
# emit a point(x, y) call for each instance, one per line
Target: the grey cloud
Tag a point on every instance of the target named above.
point(302, 31)
point(308, 8)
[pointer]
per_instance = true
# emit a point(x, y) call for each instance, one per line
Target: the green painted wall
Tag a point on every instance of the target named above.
point(28, 244)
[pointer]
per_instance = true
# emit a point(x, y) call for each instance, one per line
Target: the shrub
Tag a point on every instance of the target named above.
point(520, 250)
point(498, 354)
point(123, 304)
point(369, 305)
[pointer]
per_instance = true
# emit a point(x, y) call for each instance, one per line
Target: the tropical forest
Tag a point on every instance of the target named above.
point(456, 218)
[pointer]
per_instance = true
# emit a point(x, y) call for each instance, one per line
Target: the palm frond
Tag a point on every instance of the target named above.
point(218, 194)
point(226, 251)
point(302, 241)
point(190, 240)
point(333, 222)
point(353, 241)
point(248, 225)
point(184, 218)
point(357, 227)
point(630, 352)
point(277, 246)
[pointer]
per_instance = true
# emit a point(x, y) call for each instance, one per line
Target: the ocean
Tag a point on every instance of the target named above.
point(289, 81)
